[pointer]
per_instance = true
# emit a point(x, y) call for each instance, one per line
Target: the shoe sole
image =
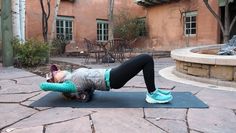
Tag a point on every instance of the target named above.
point(149, 100)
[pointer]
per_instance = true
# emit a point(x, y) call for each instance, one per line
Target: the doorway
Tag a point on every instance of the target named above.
point(232, 12)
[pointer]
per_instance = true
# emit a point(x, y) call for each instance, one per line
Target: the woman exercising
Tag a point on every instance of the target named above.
point(106, 79)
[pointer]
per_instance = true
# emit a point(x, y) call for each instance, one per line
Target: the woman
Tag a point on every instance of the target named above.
point(106, 79)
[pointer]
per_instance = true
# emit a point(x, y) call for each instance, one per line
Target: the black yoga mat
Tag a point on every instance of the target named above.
point(120, 100)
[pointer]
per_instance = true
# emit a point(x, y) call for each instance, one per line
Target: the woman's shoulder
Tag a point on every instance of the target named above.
point(81, 69)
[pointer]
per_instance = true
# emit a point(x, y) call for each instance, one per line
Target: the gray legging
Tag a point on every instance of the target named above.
point(120, 75)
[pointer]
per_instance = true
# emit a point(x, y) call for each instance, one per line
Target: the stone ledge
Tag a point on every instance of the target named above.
point(205, 80)
point(190, 61)
point(189, 55)
point(226, 73)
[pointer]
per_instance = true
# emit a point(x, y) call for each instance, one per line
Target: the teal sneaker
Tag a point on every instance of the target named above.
point(157, 97)
point(164, 92)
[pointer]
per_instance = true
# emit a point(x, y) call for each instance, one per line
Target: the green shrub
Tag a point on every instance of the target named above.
point(129, 27)
point(59, 45)
point(30, 53)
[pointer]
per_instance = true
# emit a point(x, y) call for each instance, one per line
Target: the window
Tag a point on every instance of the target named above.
point(190, 26)
point(64, 28)
point(102, 30)
point(142, 26)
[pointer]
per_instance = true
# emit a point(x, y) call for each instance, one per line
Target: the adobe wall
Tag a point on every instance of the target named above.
point(85, 13)
point(166, 25)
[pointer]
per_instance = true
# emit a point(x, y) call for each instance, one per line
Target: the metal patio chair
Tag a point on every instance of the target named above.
point(117, 48)
point(92, 49)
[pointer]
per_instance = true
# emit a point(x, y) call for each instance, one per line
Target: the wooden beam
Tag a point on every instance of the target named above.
point(151, 2)
point(156, 1)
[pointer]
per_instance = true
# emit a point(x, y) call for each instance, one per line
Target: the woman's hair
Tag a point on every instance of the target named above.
point(53, 68)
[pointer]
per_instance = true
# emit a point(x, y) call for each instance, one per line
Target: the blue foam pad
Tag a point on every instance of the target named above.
point(120, 100)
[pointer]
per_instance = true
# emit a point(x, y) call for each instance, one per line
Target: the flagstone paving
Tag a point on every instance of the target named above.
point(19, 89)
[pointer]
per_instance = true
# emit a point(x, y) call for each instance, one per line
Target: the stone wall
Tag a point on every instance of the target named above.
point(227, 73)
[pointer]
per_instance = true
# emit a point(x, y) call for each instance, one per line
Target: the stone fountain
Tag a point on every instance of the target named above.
point(211, 62)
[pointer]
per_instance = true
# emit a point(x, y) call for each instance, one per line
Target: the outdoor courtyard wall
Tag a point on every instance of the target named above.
point(85, 13)
point(164, 21)
point(166, 29)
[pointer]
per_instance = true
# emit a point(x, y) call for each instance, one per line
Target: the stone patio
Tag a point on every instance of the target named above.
point(19, 89)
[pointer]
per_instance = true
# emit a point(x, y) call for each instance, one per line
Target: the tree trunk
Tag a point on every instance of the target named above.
point(22, 20)
point(57, 4)
point(16, 19)
point(227, 22)
point(7, 34)
point(45, 17)
point(226, 28)
point(110, 19)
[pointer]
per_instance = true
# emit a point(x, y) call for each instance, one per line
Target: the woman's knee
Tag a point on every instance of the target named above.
point(147, 57)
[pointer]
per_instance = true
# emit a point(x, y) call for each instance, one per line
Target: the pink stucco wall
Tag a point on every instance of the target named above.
point(165, 25)
point(85, 13)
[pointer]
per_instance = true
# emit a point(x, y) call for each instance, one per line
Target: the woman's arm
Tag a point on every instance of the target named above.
point(65, 87)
